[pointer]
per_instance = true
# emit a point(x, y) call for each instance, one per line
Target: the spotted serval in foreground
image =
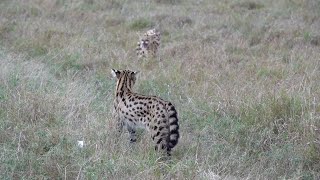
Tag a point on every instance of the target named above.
point(134, 110)
point(149, 44)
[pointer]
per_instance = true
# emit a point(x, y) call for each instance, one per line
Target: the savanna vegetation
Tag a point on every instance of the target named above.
point(244, 76)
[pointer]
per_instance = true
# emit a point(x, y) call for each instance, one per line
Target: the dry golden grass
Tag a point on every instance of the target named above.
point(244, 76)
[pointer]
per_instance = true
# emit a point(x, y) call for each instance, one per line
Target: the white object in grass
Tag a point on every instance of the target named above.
point(80, 144)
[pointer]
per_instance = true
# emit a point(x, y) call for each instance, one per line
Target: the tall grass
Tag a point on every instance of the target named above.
point(243, 75)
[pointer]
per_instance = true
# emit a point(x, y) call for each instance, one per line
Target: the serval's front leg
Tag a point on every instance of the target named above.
point(119, 124)
point(132, 134)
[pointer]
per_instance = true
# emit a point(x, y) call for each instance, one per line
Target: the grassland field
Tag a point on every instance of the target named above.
point(244, 76)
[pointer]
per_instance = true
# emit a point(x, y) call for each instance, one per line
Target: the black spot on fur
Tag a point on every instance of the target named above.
point(174, 123)
point(172, 108)
point(175, 131)
point(173, 142)
point(163, 146)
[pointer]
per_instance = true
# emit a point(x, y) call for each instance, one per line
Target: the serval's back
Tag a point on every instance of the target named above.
point(134, 110)
point(148, 44)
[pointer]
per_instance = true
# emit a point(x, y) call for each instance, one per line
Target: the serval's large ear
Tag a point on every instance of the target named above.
point(115, 73)
point(135, 72)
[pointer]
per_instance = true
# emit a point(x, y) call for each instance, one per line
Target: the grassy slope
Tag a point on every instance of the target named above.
point(244, 76)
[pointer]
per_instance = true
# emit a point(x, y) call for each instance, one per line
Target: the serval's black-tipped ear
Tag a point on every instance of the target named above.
point(115, 73)
point(135, 72)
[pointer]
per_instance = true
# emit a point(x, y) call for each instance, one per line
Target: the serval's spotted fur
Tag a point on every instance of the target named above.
point(134, 110)
point(148, 44)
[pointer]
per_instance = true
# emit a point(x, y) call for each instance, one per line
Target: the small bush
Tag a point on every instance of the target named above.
point(140, 24)
point(168, 1)
point(37, 50)
point(5, 29)
point(249, 5)
point(182, 21)
point(315, 40)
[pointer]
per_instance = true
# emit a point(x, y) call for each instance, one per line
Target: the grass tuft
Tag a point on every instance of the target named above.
point(141, 23)
point(172, 2)
point(249, 5)
point(243, 76)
